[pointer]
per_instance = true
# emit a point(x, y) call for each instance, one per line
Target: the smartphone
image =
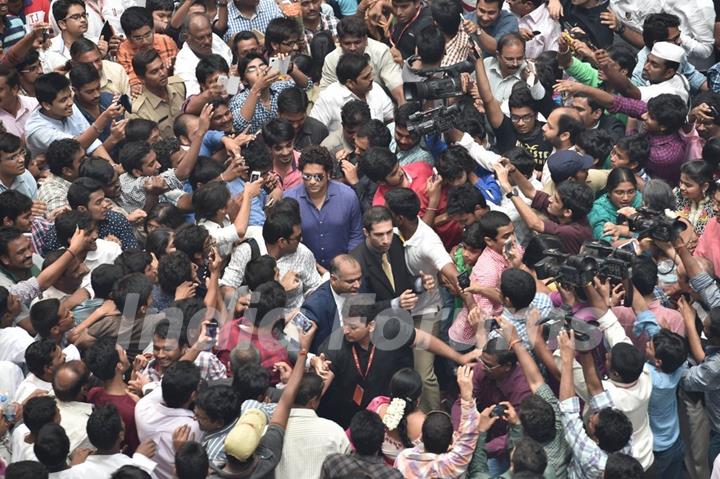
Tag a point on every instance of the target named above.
point(507, 248)
point(280, 64)
point(232, 85)
point(254, 176)
point(302, 322)
point(464, 280)
point(714, 112)
point(212, 328)
point(107, 31)
point(491, 324)
point(125, 102)
point(435, 173)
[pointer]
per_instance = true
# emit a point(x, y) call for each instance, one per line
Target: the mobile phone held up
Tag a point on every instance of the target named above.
point(125, 103)
point(107, 31)
point(302, 321)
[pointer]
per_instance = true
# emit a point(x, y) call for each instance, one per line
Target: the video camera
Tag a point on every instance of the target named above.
point(447, 86)
point(566, 319)
point(437, 120)
point(595, 259)
point(648, 223)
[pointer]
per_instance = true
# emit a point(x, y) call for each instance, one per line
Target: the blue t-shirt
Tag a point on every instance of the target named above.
point(257, 211)
point(662, 409)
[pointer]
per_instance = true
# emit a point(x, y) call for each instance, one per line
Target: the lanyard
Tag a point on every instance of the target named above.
point(402, 32)
point(369, 364)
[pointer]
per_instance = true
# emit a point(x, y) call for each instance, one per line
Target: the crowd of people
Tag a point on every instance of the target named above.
point(326, 239)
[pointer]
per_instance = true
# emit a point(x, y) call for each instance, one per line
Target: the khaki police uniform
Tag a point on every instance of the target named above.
point(163, 112)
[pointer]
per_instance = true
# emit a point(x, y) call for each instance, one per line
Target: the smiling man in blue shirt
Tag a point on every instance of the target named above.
point(330, 211)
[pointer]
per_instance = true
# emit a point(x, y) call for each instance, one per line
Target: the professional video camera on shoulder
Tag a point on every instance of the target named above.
point(441, 83)
point(648, 223)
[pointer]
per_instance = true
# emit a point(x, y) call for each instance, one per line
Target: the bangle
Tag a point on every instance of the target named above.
point(99, 132)
point(431, 209)
point(221, 177)
point(513, 343)
point(70, 251)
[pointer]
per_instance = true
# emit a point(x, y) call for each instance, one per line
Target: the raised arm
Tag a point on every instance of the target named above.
point(492, 106)
point(188, 160)
point(282, 411)
point(527, 363)
point(571, 87)
point(592, 380)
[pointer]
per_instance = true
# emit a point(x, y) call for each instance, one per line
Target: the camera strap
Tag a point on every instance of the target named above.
point(402, 32)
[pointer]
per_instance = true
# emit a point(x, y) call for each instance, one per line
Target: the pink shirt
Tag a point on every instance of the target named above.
point(15, 124)
point(294, 176)
point(487, 271)
point(708, 245)
point(666, 318)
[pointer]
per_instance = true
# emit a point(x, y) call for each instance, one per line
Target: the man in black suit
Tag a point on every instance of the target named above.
point(322, 305)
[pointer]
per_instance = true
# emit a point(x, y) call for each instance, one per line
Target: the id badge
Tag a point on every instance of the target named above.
point(358, 395)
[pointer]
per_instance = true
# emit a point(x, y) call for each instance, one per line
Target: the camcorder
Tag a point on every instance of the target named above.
point(653, 224)
point(563, 318)
point(595, 259)
point(441, 83)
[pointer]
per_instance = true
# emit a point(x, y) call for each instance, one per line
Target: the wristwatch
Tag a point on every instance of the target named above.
point(509, 195)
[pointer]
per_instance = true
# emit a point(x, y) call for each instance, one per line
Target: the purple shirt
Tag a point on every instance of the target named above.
point(667, 152)
point(334, 229)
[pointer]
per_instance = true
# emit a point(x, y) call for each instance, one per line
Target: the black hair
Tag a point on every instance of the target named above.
point(711, 99)
point(627, 361)
point(166, 330)
point(492, 221)
point(257, 156)
point(353, 113)
point(157, 242)
point(130, 286)
point(190, 239)
point(518, 287)
point(143, 58)
point(637, 148)
point(570, 124)
point(44, 315)
point(98, 169)
point(132, 155)
point(179, 383)
point(624, 56)
point(133, 261)
point(259, 270)
point(49, 85)
point(497, 347)
point(32, 56)
point(406, 384)
point(80, 190)
point(670, 111)
point(251, 381)
point(620, 175)
point(174, 269)
point(510, 39)
point(472, 237)
point(613, 428)
point(104, 426)
point(103, 278)
point(66, 223)
point(130, 472)
point(376, 132)
point(166, 214)
point(13, 204)
point(51, 446)
point(446, 14)
point(375, 215)
point(206, 169)
point(39, 411)
point(279, 30)
point(102, 358)
point(210, 198)
point(430, 44)
point(537, 417)
point(139, 129)
point(316, 155)
point(278, 226)
point(367, 433)
point(352, 26)
point(60, 8)
point(191, 461)
point(350, 66)
point(403, 202)
point(244, 62)
point(25, 469)
point(311, 387)
point(208, 65)
point(160, 5)
point(270, 297)
point(220, 403)
point(622, 466)
point(404, 111)
point(455, 161)
point(8, 234)
point(711, 152)
point(595, 142)
point(39, 355)
point(521, 159)
point(83, 73)
point(292, 100)
point(134, 18)
point(60, 154)
point(655, 27)
point(520, 97)
point(377, 163)
point(700, 172)
point(577, 197)
point(437, 432)
point(321, 45)
point(464, 199)
point(644, 275)
point(671, 349)
point(278, 131)
point(67, 392)
point(529, 456)
point(81, 46)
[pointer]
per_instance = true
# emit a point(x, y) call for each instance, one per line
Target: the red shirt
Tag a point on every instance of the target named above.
point(37, 11)
point(126, 407)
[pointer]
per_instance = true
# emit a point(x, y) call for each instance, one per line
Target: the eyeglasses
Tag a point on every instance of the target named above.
point(77, 17)
point(487, 366)
point(317, 177)
point(522, 118)
point(292, 43)
point(139, 38)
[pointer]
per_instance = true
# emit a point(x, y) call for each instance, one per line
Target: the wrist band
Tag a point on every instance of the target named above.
point(513, 343)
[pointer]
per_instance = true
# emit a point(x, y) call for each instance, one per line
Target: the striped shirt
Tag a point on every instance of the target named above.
point(214, 444)
point(14, 31)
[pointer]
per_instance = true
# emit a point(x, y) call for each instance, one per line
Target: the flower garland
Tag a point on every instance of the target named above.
point(394, 413)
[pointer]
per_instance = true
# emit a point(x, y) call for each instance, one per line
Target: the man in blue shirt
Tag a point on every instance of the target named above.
point(329, 210)
point(13, 175)
point(490, 22)
point(250, 15)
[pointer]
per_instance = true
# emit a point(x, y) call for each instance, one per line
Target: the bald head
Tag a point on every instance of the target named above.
point(70, 380)
point(346, 274)
point(342, 260)
point(563, 127)
point(198, 34)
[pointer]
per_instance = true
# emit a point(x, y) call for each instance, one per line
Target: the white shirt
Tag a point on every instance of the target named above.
point(540, 20)
point(308, 440)
point(502, 86)
point(105, 253)
point(187, 61)
point(95, 22)
point(156, 421)
point(57, 54)
point(225, 235)
point(13, 343)
point(102, 466)
point(385, 70)
point(677, 85)
point(330, 101)
point(10, 378)
point(73, 418)
point(21, 450)
point(29, 385)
